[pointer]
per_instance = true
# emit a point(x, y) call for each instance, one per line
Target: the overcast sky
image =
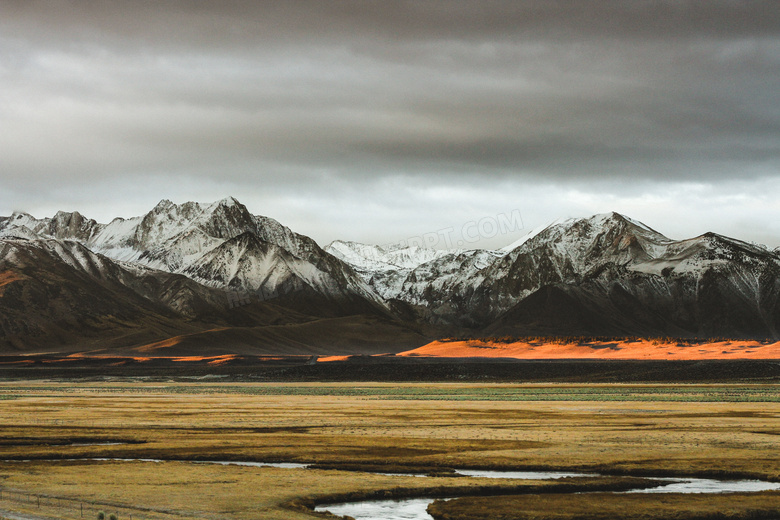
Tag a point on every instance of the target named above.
point(381, 120)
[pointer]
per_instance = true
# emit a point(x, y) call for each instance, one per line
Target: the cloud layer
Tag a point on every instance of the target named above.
point(371, 120)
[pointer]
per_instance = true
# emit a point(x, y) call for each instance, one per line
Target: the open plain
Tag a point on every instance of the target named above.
point(52, 432)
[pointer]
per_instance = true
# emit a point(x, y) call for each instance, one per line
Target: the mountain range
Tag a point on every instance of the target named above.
point(197, 279)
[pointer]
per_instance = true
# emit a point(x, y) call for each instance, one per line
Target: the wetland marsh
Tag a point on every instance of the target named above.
point(364, 441)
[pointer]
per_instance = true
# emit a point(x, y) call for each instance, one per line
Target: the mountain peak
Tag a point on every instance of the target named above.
point(613, 220)
point(66, 214)
point(228, 212)
point(225, 206)
point(613, 215)
point(228, 201)
point(163, 205)
point(71, 225)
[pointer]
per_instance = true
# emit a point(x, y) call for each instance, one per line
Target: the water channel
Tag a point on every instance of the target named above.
point(415, 508)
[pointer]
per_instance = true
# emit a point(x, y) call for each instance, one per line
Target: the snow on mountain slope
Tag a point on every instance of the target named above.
point(247, 263)
point(476, 285)
point(706, 287)
point(409, 257)
point(457, 283)
point(444, 287)
point(606, 252)
point(20, 232)
point(528, 236)
point(189, 239)
point(569, 252)
point(370, 258)
point(411, 274)
point(608, 271)
point(73, 271)
point(582, 242)
point(362, 257)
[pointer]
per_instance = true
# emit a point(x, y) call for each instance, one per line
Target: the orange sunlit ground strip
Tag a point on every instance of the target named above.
point(618, 349)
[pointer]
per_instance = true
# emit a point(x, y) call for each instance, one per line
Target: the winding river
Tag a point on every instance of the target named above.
point(415, 508)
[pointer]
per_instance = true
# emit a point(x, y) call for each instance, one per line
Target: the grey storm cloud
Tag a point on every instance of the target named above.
point(312, 95)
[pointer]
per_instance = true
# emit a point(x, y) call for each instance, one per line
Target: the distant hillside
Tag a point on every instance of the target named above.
point(213, 278)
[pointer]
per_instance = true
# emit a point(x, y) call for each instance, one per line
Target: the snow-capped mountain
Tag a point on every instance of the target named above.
point(369, 258)
point(411, 274)
point(220, 245)
point(59, 296)
point(58, 292)
point(528, 236)
point(69, 280)
point(706, 286)
point(671, 284)
point(475, 287)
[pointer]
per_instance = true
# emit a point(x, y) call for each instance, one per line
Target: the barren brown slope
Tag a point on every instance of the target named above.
point(59, 297)
point(347, 335)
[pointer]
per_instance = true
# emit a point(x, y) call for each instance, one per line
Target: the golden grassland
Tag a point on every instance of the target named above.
point(340, 426)
point(609, 506)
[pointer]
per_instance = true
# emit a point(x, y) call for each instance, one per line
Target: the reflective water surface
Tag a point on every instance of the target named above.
point(411, 509)
point(415, 509)
point(705, 485)
point(289, 465)
point(524, 475)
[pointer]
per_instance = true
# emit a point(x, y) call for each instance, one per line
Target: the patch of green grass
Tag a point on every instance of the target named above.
point(639, 393)
point(676, 393)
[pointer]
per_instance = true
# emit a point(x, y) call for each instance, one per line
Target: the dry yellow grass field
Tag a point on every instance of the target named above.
point(609, 506)
point(432, 426)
